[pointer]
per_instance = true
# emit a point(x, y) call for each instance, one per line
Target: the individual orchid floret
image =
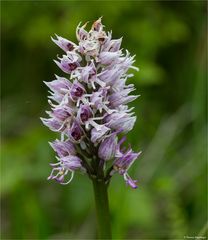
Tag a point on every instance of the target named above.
point(120, 120)
point(63, 148)
point(89, 107)
point(109, 57)
point(52, 123)
point(107, 149)
point(61, 85)
point(120, 83)
point(64, 43)
point(63, 167)
point(112, 45)
point(81, 33)
point(123, 163)
point(59, 90)
point(86, 73)
point(97, 135)
point(90, 42)
point(121, 97)
point(61, 113)
point(76, 91)
point(84, 113)
point(68, 63)
point(90, 47)
point(110, 76)
point(99, 101)
point(75, 133)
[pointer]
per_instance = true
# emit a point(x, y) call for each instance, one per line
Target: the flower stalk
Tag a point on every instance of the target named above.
point(102, 208)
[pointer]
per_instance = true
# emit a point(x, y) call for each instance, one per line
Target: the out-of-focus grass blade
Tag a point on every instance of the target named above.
point(169, 128)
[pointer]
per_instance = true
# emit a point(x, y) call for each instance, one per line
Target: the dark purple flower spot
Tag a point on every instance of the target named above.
point(85, 115)
point(101, 39)
point(64, 153)
point(72, 66)
point(76, 135)
point(70, 46)
point(78, 92)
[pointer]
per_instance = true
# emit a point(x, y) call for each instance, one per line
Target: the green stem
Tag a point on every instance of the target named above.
point(102, 209)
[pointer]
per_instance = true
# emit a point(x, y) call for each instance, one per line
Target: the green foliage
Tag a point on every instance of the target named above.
point(170, 43)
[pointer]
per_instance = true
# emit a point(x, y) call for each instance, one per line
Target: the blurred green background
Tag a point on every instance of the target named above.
point(170, 43)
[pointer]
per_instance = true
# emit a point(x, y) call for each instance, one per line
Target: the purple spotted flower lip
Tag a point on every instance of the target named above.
point(89, 107)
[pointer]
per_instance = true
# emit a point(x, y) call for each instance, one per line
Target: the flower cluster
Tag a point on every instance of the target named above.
point(89, 108)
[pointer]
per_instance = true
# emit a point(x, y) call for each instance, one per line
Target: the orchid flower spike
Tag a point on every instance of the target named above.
point(89, 107)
